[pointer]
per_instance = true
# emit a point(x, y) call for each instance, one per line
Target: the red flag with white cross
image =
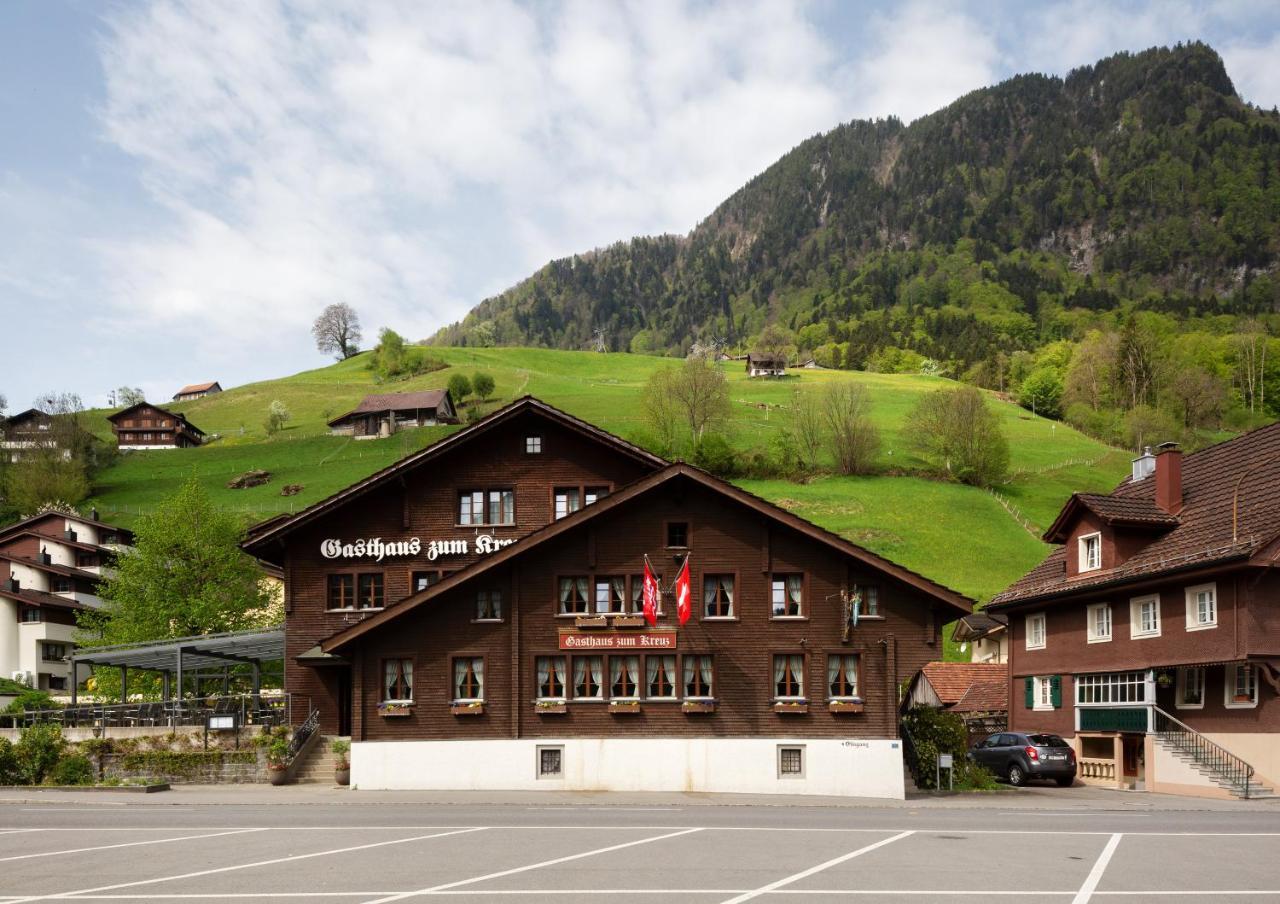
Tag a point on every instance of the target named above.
point(684, 595)
point(652, 595)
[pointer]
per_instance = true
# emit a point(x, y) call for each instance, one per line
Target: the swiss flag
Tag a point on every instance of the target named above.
point(684, 603)
point(652, 594)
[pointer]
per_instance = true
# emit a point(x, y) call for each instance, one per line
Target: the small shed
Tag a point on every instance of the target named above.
point(196, 391)
point(977, 691)
point(383, 415)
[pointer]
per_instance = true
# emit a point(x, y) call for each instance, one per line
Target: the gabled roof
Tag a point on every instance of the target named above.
point(22, 416)
point(398, 401)
point(26, 524)
point(43, 600)
point(952, 680)
point(987, 695)
point(978, 625)
point(958, 602)
point(1133, 511)
point(176, 415)
point(52, 568)
point(272, 529)
point(1230, 516)
point(197, 387)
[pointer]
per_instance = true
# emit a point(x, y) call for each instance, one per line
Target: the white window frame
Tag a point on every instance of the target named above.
point(1044, 631)
point(1180, 687)
point(1136, 631)
point(1229, 687)
point(1043, 700)
point(789, 776)
point(1083, 542)
point(533, 444)
point(1091, 619)
point(1193, 607)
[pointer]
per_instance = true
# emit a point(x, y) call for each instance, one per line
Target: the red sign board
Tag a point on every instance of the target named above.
point(656, 640)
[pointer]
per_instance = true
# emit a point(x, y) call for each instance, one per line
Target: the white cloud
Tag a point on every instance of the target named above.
point(1255, 70)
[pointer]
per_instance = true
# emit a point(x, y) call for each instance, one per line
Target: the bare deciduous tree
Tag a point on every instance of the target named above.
point(693, 395)
point(777, 342)
point(808, 421)
point(337, 331)
point(855, 440)
point(957, 431)
point(127, 396)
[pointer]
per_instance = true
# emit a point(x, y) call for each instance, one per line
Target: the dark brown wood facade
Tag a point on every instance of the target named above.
point(150, 426)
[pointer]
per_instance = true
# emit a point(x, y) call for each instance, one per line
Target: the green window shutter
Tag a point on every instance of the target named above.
point(1055, 691)
point(1029, 685)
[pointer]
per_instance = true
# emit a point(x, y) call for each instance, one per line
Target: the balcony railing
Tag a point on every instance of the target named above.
point(249, 709)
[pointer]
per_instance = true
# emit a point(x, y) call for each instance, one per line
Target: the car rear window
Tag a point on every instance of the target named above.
point(1047, 740)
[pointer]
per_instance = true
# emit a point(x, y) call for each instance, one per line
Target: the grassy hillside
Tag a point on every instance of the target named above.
point(963, 537)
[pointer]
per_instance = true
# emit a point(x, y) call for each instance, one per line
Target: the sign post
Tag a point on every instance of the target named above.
point(945, 761)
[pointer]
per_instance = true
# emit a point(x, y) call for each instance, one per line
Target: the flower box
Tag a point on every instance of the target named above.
point(395, 710)
point(551, 707)
point(791, 707)
point(624, 707)
point(845, 706)
point(628, 621)
point(591, 621)
point(698, 706)
point(467, 709)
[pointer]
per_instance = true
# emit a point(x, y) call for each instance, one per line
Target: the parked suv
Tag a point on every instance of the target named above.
point(1017, 757)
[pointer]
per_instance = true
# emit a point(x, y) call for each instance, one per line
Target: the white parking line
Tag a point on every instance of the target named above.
point(804, 874)
point(922, 830)
point(124, 844)
point(531, 866)
point(239, 866)
point(1099, 867)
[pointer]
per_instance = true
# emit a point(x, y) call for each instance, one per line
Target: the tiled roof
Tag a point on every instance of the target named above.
point(196, 387)
point(1241, 475)
point(401, 401)
point(952, 680)
point(990, 695)
point(980, 624)
point(42, 599)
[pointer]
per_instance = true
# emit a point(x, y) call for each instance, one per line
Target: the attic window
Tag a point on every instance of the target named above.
point(533, 445)
point(1091, 552)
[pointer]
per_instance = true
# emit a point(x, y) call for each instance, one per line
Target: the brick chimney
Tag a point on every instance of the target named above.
point(1169, 477)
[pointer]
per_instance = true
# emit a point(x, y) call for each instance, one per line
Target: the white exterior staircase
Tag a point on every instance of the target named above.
point(1217, 764)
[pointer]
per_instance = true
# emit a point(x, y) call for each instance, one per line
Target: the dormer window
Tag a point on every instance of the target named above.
point(1091, 552)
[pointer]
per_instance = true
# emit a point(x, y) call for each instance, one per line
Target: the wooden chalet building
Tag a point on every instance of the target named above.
point(146, 426)
point(383, 415)
point(196, 391)
point(50, 567)
point(33, 429)
point(471, 616)
point(1151, 636)
point(759, 365)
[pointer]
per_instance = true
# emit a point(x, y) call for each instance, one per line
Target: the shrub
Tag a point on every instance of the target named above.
point(459, 387)
point(342, 750)
point(39, 748)
point(932, 732)
point(71, 770)
point(10, 768)
point(713, 453)
point(956, 430)
point(32, 700)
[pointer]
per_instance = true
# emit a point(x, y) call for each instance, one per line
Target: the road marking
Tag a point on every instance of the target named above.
point(947, 829)
point(523, 869)
point(107, 847)
point(804, 874)
point(240, 866)
point(1099, 867)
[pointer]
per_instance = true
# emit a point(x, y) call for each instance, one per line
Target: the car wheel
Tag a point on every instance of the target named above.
point(1066, 781)
point(1017, 777)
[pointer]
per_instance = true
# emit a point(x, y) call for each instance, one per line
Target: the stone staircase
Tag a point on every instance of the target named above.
point(1251, 788)
point(318, 763)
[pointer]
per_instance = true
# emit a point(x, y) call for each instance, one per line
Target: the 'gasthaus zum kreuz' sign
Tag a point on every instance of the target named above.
point(377, 549)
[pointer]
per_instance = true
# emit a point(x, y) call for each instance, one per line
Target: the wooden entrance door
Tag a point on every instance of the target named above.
point(344, 701)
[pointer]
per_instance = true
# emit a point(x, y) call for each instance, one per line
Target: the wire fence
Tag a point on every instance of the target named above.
point(1015, 513)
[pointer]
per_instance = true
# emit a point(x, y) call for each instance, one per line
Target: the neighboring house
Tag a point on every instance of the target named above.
point(27, 430)
point(1151, 636)
point(383, 415)
point(472, 617)
point(50, 567)
point(977, 692)
point(146, 426)
point(196, 391)
point(766, 365)
point(987, 634)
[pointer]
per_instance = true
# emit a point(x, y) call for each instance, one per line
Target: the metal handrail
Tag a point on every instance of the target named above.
point(268, 708)
point(302, 733)
point(1205, 752)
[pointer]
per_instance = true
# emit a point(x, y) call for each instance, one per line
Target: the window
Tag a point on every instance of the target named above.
point(1099, 616)
point(370, 596)
point(717, 596)
point(1202, 607)
point(591, 495)
point(1090, 552)
point(573, 595)
point(59, 584)
point(637, 593)
point(31, 615)
point(611, 595)
point(487, 507)
point(1044, 697)
point(787, 590)
point(1116, 687)
point(550, 673)
point(568, 500)
point(1190, 688)
point(678, 534)
point(698, 675)
point(342, 591)
point(550, 762)
point(588, 677)
point(489, 605)
point(397, 680)
point(53, 652)
point(86, 560)
point(1035, 631)
point(624, 677)
point(870, 601)
point(842, 675)
point(421, 580)
point(533, 445)
point(468, 679)
point(790, 762)
point(1144, 616)
point(1241, 689)
point(660, 677)
point(57, 683)
point(788, 676)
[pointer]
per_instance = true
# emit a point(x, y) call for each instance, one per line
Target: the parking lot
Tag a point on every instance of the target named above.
point(383, 850)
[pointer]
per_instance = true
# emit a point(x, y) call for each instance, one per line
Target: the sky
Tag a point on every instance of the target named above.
point(185, 186)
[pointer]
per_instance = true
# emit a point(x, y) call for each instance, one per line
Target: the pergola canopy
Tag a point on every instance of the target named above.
point(200, 652)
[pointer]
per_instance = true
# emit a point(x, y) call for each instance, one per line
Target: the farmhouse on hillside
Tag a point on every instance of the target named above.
point(146, 426)
point(33, 429)
point(473, 617)
point(1151, 636)
point(761, 365)
point(196, 391)
point(383, 415)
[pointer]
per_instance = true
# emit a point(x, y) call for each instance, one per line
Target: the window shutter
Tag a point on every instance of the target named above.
point(1055, 690)
point(1029, 684)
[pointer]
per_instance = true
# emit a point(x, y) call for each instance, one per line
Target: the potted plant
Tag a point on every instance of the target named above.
point(791, 707)
point(698, 706)
point(631, 620)
point(624, 707)
point(392, 710)
point(1165, 679)
point(341, 749)
point(550, 707)
point(591, 621)
point(845, 706)
point(471, 708)
point(278, 760)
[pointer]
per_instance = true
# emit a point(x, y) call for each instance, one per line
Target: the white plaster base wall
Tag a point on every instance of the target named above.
point(845, 768)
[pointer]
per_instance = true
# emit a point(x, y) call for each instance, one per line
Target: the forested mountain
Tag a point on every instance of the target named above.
point(1033, 211)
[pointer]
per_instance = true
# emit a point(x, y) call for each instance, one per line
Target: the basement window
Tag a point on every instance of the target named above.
point(790, 761)
point(550, 762)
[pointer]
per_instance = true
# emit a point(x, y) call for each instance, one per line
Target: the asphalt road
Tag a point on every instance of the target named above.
point(325, 847)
